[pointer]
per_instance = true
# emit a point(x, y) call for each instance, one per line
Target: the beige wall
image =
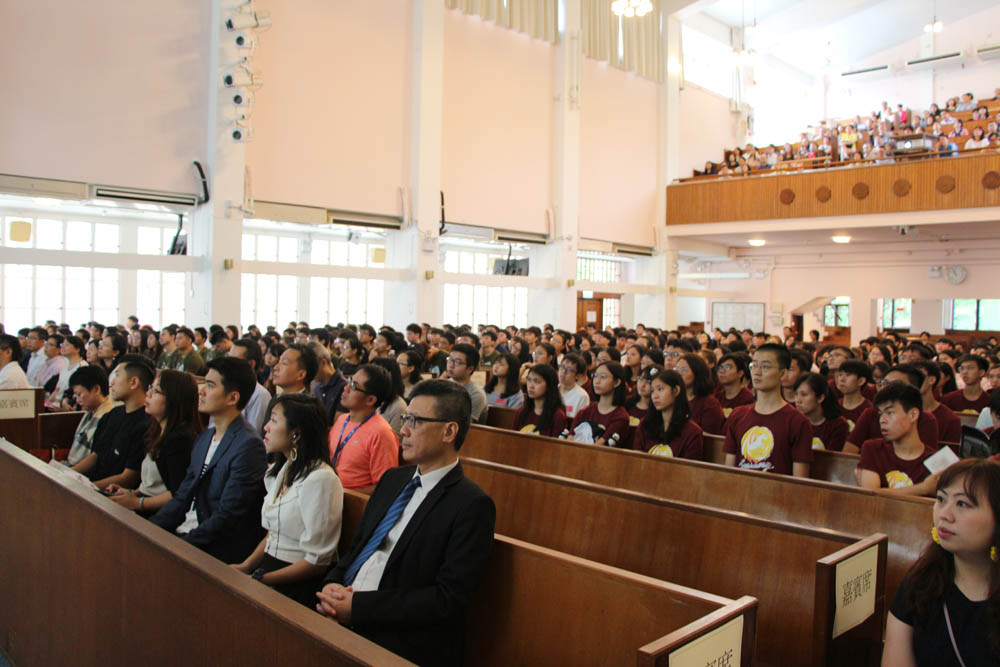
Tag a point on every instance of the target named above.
point(707, 128)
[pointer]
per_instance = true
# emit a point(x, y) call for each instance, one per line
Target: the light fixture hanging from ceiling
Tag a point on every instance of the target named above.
point(742, 54)
point(629, 8)
point(935, 25)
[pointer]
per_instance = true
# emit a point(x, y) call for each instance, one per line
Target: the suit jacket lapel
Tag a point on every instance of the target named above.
point(374, 513)
point(425, 508)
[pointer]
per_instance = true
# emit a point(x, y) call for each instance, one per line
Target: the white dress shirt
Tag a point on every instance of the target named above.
point(370, 574)
point(191, 518)
point(13, 377)
point(303, 524)
point(36, 366)
point(256, 408)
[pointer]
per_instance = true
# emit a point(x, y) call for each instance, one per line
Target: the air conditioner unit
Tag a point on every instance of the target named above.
point(508, 236)
point(370, 220)
point(989, 52)
point(934, 62)
point(454, 229)
point(42, 187)
point(881, 69)
point(626, 249)
point(172, 199)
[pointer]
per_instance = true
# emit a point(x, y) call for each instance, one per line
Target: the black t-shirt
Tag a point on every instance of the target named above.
point(118, 442)
point(173, 458)
point(932, 645)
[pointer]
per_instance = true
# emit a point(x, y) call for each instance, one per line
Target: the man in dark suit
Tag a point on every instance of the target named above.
point(423, 543)
point(217, 507)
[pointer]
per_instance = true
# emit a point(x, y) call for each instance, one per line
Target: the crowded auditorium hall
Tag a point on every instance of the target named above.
point(389, 332)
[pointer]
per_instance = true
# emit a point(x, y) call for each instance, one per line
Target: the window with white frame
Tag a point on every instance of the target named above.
point(482, 304)
point(269, 299)
point(612, 312)
point(47, 233)
point(896, 313)
point(71, 294)
point(598, 270)
point(478, 262)
point(160, 297)
point(346, 300)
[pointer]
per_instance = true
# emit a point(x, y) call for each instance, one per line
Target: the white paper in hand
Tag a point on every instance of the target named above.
point(72, 474)
point(941, 459)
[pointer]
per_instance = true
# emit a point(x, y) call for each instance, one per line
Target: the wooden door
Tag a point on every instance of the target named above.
point(589, 311)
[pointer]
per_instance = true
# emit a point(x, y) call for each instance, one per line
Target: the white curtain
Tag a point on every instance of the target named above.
point(537, 18)
point(640, 37)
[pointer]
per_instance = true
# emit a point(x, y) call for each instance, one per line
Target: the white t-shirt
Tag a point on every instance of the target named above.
point(12, 377)
point(191, 518)
point(574, 400)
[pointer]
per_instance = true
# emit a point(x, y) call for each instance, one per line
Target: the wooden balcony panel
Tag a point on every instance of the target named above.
point(760, 197)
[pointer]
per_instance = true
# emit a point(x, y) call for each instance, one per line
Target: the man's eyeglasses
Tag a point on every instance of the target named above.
point(356, 387)
point(456, 361)
point(410, 421)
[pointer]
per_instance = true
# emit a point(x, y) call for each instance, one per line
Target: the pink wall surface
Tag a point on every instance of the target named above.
point(331, 121)
point(112, 93)
point(496, 154)
point(707, 128)
point(617, 155)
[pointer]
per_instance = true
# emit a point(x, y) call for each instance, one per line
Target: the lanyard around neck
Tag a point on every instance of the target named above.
point(342, 442)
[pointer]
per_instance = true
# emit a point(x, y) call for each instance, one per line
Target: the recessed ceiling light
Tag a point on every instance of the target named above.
point(841, 239)
point(756, 243)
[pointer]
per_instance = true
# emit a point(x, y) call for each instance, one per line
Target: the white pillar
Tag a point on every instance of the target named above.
point(419, 299)
point(662, 308)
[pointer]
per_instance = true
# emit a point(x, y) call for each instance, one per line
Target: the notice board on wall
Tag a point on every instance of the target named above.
point(726, 314)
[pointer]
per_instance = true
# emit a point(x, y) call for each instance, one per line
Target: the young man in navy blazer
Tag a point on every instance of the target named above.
point(217, 507)
point(423, 543)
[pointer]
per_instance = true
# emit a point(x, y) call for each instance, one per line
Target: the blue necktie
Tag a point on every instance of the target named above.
point(382, 529)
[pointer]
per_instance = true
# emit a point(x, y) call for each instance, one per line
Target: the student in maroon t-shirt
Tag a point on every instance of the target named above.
point(867, 426)
point(705, 409)
point(639, 404)
point(769, 435)
point(733, 373)
point(604, 422)
point(814, 399)
point(667, 429)
point(896, 460)
point(949, 425)
point(542, 412)
point(851, 378)
point(972, 399)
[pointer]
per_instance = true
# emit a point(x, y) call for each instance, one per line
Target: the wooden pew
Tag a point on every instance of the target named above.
point(967, 419)
point(849, 509)
point(22, 430)
point(726, 553)
point(500, 417)
point(55, 434)
point(74, 554)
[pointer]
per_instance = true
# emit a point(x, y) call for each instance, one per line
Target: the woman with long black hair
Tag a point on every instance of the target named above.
point(667, 429)
point(542, 412)
point(504, 389)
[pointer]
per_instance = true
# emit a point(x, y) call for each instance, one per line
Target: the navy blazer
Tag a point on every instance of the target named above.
point(227, 496)
point(418, 611)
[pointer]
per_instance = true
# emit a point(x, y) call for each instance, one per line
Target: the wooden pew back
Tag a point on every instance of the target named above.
point(21, 430)
point(721, 552)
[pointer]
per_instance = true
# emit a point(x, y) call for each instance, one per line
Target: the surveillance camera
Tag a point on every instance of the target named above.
point(242, 99)
point(239, 78)
point(248, 20)
point(243, 40)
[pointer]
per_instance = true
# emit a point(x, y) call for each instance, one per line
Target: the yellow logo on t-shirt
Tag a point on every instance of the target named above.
point(727, 411)
point(817, 443)
point(757, 443)
point(850, 426)
point(661, 450)
point(529, 428)
point(633, 421)
point(968, 411)
point(897, 479)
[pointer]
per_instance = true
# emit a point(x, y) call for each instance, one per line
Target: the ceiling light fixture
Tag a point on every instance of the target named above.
point(841, 239)
point(629, 8)
point(756, 243)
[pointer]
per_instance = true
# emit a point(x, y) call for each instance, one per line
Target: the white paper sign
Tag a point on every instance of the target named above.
point(591, 315)
point(721, 647)
point(940, 460)
point(17, 404)
point(855, 590)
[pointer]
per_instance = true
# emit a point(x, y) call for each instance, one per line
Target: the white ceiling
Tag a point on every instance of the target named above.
point(808, 33)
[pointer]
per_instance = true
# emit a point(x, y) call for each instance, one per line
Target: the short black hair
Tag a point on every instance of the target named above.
point(307, 361)
point(576, 361)
point(253, 351)
point(451, 402)
point(982, 362)
point(471, 354)
point(136, 365)
point(781, 353)
point(905, 394)
point(322, 335)
point(915, 376)
point(89, 377)
point(856, 368)
point(218, 336)
point(58, 338)
point(8, 342)
point(118, 343)
point(739, 360)
point(378, 383)
point(236, 376)
point(78, 343)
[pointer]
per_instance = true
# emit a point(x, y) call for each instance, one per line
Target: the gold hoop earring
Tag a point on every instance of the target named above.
point(293, 454)
point(994, 556)
point(935, 536)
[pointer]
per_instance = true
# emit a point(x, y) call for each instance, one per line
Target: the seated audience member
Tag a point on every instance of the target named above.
point(89, 385)
point(151, 345)
point(489, 352)
point(462, 363)
point(770, 435)
point(256, 408)
point(395, 405)
point(409, 596)
point(802, 363)
point(189, 360)
point(503, 389)
point(573, 371)
point(948, 423)
point(640, 402)
point(362, 443)
point(966, 103)
point(221, 345)
point(945, 606)
point(303, 505)
point(168, 348)
point(172, 406)
point(295, 370)
point(217, 506)
point(867, 427)
point(667, 429)
point(381, 347)
point(851, 379)
point(606, 421)
point(12, 376)
point(272, 354)
point(543, 353)
point(945, 147)
point(653, 356)
point(55, 363)
point(34, 363)
point(895, 461)
point(732, 374)
point(542, 412)
point(978, 139)
point(971, 398)
point(117, 445)
point(110, 350)
point(814, 399)
point(706, 411)
point(329, 384)
point(632, 362)
point(410, 363)
point(436, 356)
point(353, 354)
point(72, 349)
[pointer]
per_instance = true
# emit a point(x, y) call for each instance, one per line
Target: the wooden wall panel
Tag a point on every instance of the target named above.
point(760, 197)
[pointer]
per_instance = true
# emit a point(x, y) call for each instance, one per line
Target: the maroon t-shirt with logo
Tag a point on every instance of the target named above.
point(830, 435)
point(530, 421)
point(852, 416)
point(707, 413)
point(604, 426)
point(867, 428)
point(689, 444)
point(957, 401)
point(769, 442)
point(879, 456)
point(949, 425)
point(743, 397)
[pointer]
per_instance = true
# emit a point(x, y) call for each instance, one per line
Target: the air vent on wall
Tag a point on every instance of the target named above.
point(866, 70)
point(312, 215)
point(370, 220)
point(989, 52)
point(508, 236)
point(934, 61)
point(637, 250)
point(142, 196)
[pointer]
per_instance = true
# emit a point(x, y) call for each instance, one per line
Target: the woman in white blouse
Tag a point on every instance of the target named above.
point(304, 500)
